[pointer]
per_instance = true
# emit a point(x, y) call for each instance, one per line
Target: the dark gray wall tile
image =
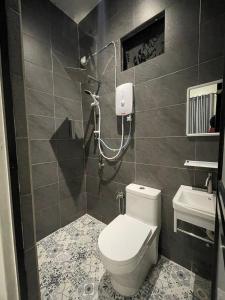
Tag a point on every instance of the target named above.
point(119, 171)
point(181, 42)
point(128, 153)
point(63, 33)
point(171, 245)
point(70, 169)
point(111, 7)
point(171, 61)
point(65, 108)
point(27, 221)
point(109, 190)
point(211, 70)
point(38, 78)
point(168, 121)
point(167, 215)
point(44, 174)
point(39, 103)
point(166, 179)
point(207, 149)
point(66, 88)
point(91, 166)
point(66, 218)
point(40, 127)
point(91, 147)
point(37, 52)
point(210, 9)
point(165, 91)
point(47, 221)
point(165, 151)
point(62, 128)
point(19, 105)
point(31, 266)
point(125, 76)
point(178, 17)
point(62, 62)
point(107, 82)
point(23, 166)
point(93, 185)
point(72, 188)
point(68, 129)
point(200, 178)
point(14, 41)
point(147, 9)
point(41, 151)
point(72, 208)
point(104, 209)
point(120, 24)
point(14, 4)
point(212, 38)
point(20, 122)
point(35, 18)
point(111, 126)
point(46, 196)
point(68, 149)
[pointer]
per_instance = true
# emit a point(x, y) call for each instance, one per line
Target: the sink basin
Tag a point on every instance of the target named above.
point(195, 207)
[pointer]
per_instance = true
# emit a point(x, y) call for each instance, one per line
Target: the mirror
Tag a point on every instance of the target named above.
point(203, 103)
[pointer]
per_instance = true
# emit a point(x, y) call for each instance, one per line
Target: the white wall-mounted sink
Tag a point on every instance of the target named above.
point(194, 206)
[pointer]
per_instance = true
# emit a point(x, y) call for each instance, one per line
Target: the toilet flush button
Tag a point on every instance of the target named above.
point(141, 188)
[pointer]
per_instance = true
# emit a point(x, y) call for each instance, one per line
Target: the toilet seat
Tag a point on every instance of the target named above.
point(123, 242)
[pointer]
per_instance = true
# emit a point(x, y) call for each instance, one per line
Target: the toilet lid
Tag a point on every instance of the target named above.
point(123, 238)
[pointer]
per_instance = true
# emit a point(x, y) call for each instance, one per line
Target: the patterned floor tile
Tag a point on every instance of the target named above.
point(70, 269)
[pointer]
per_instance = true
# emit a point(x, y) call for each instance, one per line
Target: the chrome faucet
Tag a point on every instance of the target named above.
point(208, 183)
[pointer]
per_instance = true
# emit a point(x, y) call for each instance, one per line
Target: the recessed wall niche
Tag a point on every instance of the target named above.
point(144, 43)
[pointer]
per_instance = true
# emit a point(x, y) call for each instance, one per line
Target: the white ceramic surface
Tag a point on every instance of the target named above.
point(194, 206)
point(129, 244)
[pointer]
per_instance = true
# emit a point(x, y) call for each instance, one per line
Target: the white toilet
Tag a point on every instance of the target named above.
point(129, 244)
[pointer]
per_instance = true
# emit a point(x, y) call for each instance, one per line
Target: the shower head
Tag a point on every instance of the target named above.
point(93, 96)
point(88, 92)
point(84, 61)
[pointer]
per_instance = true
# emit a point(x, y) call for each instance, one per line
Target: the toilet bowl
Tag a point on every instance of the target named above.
point(129, 244)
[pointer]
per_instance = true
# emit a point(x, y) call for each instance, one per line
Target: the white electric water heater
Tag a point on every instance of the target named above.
point(124, 99)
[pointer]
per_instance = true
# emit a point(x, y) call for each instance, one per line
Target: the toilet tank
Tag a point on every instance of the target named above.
point(144, 204)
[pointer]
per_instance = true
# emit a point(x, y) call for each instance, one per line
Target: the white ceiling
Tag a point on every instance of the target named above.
point(76, 9)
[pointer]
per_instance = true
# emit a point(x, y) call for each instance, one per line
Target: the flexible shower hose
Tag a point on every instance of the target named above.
point(100, 140)
point(96, 104)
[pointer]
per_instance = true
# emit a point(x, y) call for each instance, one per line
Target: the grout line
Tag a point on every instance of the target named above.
point(21, 137)
point(37, 37)
point(55, 139)
point(29, 154)
point(42, 116)
point(112, 181)
point(43, 186)
point(161, 107)
point(43, 163)
point(37, 65)
point(165, 75)
point(54, 113)
point(117, 161)
point(199, 36)
point(164, 166)
point(53, 117)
